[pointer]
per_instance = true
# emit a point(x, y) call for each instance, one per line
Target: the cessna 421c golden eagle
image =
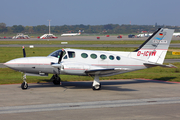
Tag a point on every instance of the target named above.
point(96, 63)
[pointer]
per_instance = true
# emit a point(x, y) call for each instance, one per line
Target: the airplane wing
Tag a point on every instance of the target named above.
point(107, 72)
point(154, 65)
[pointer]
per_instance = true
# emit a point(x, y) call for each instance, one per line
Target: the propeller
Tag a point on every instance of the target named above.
point(57, 65)
point(60, 56)
point(24, 52)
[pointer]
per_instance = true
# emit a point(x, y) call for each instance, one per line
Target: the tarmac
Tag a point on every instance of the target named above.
point(131, 99)
point(177, 45)
point(86, 38)
point(82, 38)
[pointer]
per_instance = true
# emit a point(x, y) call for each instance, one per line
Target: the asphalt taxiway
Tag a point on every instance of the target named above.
point(118, 99)
point(87, 38)
point(177, 45)
point(135, 99)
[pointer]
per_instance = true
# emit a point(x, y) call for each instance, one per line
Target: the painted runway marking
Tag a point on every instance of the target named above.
point(86, 105)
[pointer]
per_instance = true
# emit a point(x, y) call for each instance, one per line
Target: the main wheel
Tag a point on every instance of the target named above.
point(56, 82)
point(24, 86)
point(96, 87)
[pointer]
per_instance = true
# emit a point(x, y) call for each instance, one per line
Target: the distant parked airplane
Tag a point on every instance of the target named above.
point(71, 34)
point(176, 34)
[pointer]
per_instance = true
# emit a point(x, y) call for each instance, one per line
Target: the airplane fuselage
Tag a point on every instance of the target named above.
point(82, 61)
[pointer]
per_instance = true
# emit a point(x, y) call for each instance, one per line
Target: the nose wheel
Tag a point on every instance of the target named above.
point(24, 85)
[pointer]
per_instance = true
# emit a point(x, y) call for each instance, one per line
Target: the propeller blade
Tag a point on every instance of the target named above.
point(60, 56)
point(24, 52)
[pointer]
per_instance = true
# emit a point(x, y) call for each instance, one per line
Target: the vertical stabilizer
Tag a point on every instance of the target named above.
point(154, 49)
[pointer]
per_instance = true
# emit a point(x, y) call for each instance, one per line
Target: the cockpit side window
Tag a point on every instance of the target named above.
point(65, 57)
point(57, 53)
point(71, 54)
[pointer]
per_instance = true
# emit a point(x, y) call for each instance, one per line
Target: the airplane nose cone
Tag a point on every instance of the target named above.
point(10, 63)
point(5, 64)
point(16, 64)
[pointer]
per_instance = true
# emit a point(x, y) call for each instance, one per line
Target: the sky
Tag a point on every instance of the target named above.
point(89, 12)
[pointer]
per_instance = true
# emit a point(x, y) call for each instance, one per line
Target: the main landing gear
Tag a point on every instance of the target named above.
point(24, 85)
point(96, 84)
point(56, 79)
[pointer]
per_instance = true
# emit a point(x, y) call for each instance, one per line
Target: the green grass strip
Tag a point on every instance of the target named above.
point(7, 53)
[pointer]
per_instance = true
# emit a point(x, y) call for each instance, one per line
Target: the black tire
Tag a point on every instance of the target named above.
point(56, 79)
point(24, 86)
point(56, 82)
point(96, 87)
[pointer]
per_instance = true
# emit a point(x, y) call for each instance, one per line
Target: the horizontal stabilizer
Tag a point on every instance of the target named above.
point(154, 65)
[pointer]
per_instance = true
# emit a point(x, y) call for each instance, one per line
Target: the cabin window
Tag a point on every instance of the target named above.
point(118, 58)
point(71, 54)
point(84, 55)
point(93, 56)
point(103, 57)
point(111, 57)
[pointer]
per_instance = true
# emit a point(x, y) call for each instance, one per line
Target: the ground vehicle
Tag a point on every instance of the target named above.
point(131, 36)
point(119, 36)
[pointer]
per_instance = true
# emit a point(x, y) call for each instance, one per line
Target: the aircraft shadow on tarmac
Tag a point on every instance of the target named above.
point(106, 85)
point(165, 79)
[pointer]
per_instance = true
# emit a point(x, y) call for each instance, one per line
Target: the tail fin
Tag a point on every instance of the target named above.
point(154, 49)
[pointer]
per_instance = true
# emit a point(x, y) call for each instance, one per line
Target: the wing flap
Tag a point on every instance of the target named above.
point(106, 72)
point(154, 65)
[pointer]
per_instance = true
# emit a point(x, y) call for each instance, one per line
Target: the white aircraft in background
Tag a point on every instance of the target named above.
point(96, 63)
point(176, 34)
point(144, 35)
point(71, 34)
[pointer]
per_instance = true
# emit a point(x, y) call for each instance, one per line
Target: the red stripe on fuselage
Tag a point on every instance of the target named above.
point(113, 65)
point(28, 63)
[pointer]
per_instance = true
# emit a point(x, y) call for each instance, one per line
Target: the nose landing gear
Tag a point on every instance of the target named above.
point(24, 85)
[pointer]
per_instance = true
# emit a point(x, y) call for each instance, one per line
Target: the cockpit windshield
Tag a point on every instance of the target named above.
point(56, 53)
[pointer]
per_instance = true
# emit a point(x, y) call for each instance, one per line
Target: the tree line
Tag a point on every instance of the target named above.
point(90, 29)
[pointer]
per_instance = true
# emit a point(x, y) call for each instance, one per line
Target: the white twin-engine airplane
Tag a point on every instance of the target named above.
point(96, 63)
point(71, 34)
